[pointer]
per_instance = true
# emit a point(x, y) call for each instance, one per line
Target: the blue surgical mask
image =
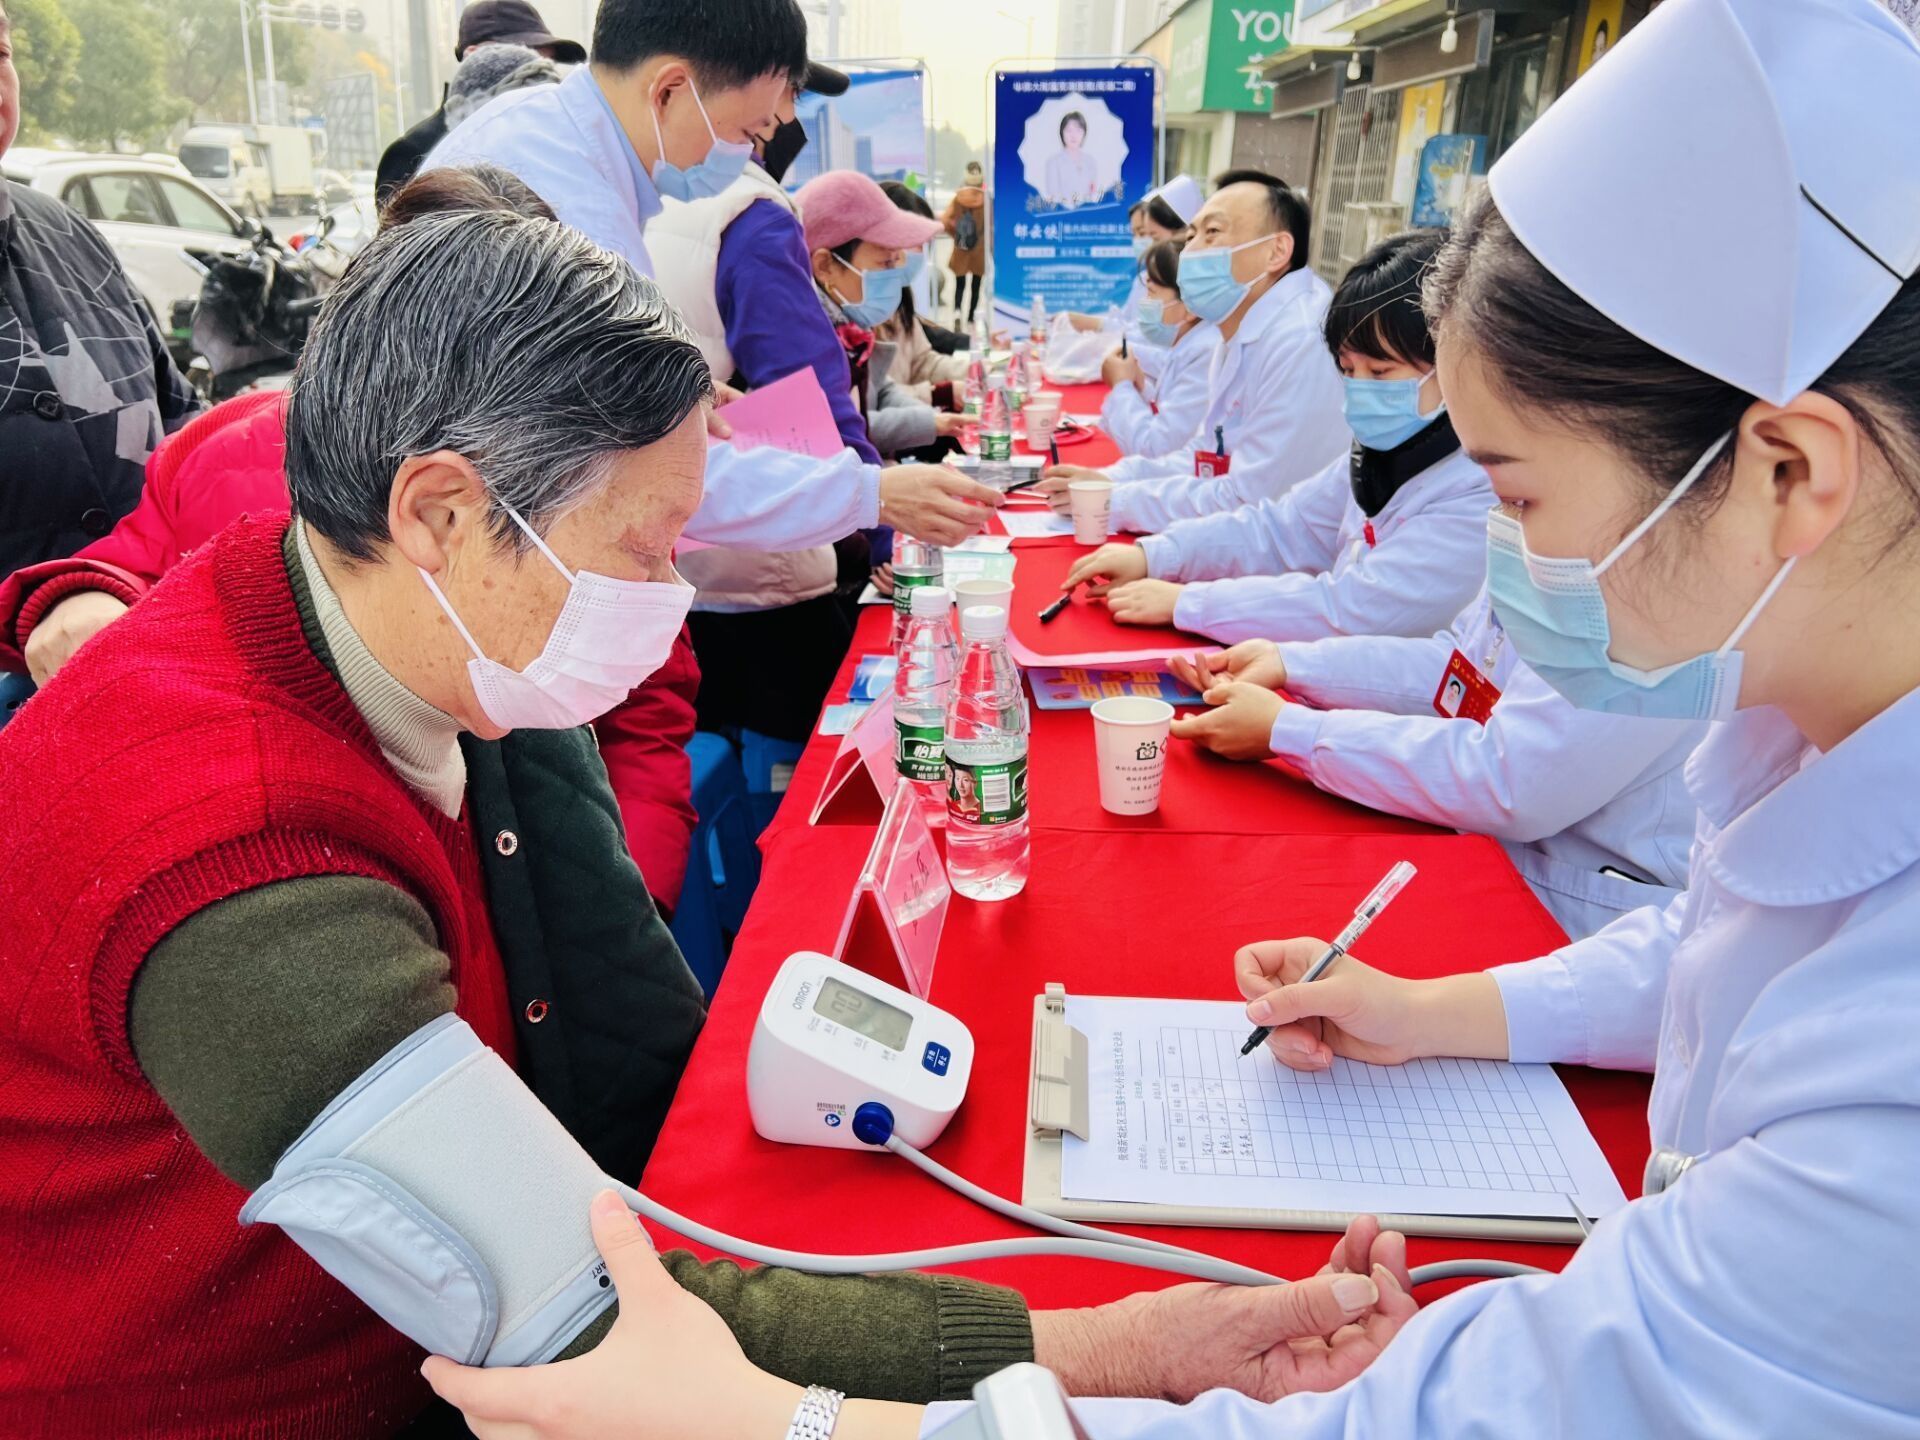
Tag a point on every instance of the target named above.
point(1141, 244)
point(1556, 614)
point(1386, 413)
point(1155, 329)
point(1207, 286)
point(724, 161)
point(879, 298)
point(916, 265)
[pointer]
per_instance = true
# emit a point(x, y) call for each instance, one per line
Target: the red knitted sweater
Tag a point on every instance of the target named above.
point(196, 749)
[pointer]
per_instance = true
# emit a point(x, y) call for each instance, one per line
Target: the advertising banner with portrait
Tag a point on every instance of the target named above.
point(1072, 151)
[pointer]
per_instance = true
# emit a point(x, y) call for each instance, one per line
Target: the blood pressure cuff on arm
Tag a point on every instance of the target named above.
point(439, 1190)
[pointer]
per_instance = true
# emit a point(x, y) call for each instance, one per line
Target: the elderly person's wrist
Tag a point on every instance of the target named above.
point(1095, 1351)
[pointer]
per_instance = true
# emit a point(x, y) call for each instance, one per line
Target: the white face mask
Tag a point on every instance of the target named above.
point(610, 636)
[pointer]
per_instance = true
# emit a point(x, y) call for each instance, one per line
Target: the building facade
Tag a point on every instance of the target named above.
point(1382, 111)
point(1412, 99)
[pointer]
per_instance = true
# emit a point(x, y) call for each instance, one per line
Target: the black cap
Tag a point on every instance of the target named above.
point(512, 22)
point(825, 80)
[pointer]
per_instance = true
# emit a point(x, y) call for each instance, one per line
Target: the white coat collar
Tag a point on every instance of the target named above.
point(1799, 828)
point(1265, 312)
point(583, 99)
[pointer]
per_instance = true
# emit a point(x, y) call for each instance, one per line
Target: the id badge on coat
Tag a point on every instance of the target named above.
point(1464, 692)
point(1209, 464)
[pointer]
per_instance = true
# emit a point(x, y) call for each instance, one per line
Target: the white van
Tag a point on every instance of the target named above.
point(230, 164)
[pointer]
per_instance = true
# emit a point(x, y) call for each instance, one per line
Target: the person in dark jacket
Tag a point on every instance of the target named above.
point(485, 22)
point(87, 388)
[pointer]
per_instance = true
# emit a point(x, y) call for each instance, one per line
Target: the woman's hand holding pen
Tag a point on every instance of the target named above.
point(1362, 1013)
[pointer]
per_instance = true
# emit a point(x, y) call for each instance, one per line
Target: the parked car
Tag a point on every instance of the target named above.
point(165, 226)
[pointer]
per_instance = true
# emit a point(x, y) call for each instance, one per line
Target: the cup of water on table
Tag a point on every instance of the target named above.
point(1041, 416)
point(969, 593)
point(1130, 736)
point(1092, 505)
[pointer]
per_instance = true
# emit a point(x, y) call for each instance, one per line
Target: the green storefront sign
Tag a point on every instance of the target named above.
point(1212, 40)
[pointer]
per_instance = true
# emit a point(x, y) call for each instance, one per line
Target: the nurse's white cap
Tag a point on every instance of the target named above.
point(1183, 197)
point(1737, 183)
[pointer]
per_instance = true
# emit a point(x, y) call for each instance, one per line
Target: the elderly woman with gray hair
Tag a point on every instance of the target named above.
point(321, 934)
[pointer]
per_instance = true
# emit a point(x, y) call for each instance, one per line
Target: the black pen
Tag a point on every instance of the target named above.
point(1369, 910)
point(1028, 483)
point(1053, 451)
point(1052, 612)
point(1123, 344)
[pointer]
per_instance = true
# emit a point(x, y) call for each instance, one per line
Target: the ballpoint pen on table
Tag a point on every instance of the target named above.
point(1370, 908)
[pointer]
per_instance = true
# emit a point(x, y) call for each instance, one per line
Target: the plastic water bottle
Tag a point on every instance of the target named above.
point(922, 690)
point(975, 394)
point(996, 432)
point(988, 855)
point(916, 566)
point(1037, 325)
point(1019, 385)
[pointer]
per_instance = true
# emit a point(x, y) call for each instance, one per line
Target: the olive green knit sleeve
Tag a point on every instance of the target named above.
point(255, 1012)
point(913, 1337)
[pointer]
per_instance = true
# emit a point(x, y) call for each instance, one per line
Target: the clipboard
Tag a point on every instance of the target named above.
point(1057, 1102)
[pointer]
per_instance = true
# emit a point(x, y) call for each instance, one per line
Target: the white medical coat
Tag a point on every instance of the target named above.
point(1178, 398)
point(1300, 567)
point(1274, 393)
point(1769, 1292)
point(1565, 790)
point(565, 143)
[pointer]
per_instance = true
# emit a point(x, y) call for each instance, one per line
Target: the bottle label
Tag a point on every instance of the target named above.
point(919, 751)
point(996, 447)
point(903, 588)
point(989, 794)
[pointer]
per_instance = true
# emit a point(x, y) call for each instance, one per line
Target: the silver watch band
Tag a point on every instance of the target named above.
point(818, 1413)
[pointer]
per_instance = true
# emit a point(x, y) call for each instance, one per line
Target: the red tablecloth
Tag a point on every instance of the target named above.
point(1095, 452)
point(1201, 791)
point(1084, 401)
point(1085, 625)
point(1150, 905)
point(1104, 913)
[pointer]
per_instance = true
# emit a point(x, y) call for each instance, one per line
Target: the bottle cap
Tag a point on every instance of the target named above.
point(929, 600)
point(983, 622)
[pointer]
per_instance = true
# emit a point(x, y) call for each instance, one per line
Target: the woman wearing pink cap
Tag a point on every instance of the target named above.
point(858, 241)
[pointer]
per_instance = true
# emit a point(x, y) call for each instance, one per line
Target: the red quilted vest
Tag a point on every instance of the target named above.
point(196, 749)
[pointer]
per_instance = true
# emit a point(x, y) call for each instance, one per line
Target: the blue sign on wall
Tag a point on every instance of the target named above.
point(1072, 151)
point(879, 127)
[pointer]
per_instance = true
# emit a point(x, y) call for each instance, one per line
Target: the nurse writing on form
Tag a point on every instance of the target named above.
point(1708, 454)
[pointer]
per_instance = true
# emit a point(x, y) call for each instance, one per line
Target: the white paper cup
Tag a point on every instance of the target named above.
point(1092, 504)
point(969, 593)
point(1130, 749)
point(1042, 417)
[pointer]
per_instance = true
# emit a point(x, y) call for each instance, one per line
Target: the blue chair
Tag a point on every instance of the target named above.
point(14, 690)
point(767, 763)
point(723, 867)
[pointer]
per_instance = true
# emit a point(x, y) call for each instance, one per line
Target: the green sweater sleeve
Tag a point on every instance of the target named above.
point(257, 1011)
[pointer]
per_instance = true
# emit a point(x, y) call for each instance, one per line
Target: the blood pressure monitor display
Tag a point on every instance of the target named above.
point(863, 1014)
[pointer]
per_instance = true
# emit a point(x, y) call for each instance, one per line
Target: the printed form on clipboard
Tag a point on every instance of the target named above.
point(1145, 1111)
